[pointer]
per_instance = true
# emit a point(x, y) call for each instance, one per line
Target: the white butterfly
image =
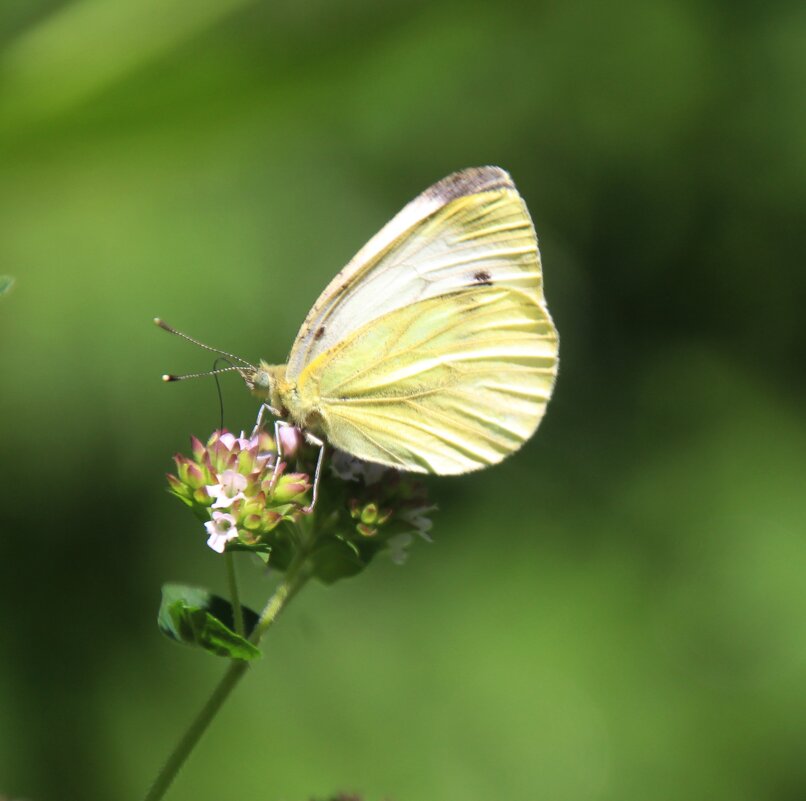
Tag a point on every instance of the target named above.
point(433, 349)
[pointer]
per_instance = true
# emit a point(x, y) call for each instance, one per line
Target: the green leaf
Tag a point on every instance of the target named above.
point(336, 558)
point(194, 616)
point(6, 282)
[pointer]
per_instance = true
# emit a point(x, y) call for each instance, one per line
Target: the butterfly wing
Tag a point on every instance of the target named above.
point(433, 349)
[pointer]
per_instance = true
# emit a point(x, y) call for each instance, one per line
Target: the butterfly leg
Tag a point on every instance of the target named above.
point(312, 440)
point(264, 407)
point(317, 473)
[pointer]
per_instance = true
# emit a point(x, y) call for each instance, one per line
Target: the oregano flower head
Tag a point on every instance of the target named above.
point(239, 489)
point(248, 498)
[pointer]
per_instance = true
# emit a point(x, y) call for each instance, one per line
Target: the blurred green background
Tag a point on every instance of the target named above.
point(618, 611)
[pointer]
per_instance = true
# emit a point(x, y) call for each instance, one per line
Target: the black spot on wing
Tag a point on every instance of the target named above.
point(482, 278)
point(320, 332)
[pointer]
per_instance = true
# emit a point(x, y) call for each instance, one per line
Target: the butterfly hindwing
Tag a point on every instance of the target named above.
point(442, 387)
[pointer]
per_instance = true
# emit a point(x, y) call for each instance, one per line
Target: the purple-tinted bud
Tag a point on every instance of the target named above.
point(272, 518)
point(365, 530)
point(369, 514)
point(183, 465)
point(267, 484)
point(253, 522)
point(300, 478)
point(180, 462)
point(177, 487)
point(194, 475)
point(291, 440)
point(255, 505)
point(197, 448)
point(247, 537)
point(219, 456)
point(246, 461)
point(201, 497)
point(290, 486)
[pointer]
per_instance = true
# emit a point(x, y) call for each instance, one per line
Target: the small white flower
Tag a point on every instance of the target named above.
point(221, 530)
point(417, 518)
point(229, 490)
point(397, 547)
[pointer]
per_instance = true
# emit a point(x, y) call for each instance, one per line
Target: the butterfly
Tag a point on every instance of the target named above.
point(433, 350)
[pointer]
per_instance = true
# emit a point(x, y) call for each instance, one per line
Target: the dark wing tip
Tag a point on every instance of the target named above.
point(470, 182)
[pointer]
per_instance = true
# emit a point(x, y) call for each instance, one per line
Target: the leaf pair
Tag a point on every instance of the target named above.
point(194, 616)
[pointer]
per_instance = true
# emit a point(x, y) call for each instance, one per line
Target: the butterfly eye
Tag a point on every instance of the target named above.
point(262, 380)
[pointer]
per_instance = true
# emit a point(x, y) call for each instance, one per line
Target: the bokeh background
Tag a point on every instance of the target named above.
point(618, 611)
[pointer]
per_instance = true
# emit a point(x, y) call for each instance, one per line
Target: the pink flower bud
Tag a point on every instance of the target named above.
point(291, 440)
point(197, 448)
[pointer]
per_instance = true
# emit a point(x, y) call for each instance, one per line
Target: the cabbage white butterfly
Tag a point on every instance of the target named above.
point(433, 349)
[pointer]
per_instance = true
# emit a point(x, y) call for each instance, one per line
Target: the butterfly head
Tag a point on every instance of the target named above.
point(261, 381)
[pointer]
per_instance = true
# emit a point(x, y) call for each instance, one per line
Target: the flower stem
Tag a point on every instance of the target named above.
point(294, 578)
point(235, 600)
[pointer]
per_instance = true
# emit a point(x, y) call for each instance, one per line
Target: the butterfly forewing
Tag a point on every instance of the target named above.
point(454, 234)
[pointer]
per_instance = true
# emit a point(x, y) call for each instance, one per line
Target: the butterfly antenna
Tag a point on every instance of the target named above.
point(171, 330)
point(169, 377)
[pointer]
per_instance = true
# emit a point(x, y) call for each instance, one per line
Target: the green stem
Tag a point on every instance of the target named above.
point(235, 600)
point(292, 582)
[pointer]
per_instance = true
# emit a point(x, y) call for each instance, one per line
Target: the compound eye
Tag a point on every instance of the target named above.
point(262, 379)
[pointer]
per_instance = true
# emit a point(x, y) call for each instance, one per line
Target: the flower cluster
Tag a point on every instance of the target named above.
point(249, 500)
point(237, 486)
